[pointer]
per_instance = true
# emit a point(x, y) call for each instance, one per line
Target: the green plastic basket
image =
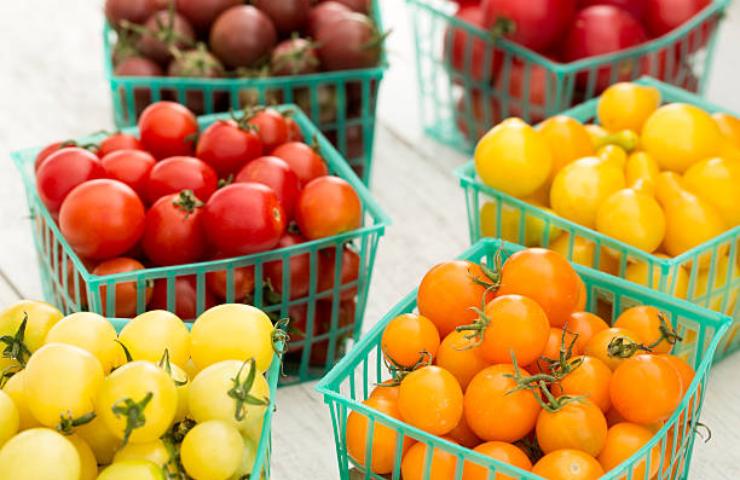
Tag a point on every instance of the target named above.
point(351, 381)
point(720, 293)
point(335, 314)
point(342, 104)
point(458, 107)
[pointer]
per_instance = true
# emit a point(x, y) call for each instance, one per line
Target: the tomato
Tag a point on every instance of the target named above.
point(168, 129)
point(635, 7)
point(242, 282)
point(463, 435)
point(40, 453)
point(14, 387)
point(501, 451)
point(9, 418)
point(687, 374)
point(244, 218)
point(185, 297)
point(40, 318)
point(461, 357)
point(442, 466)
point(294, 130)
point(175, 174)
point(568, 140)
point(568, 464)
point(349, 271)
point(534, 79)
point(227, 148)
point(276, 174)
point(271, 128)
point(60, 382)
point(174, 232)
point(651, 327)
point(448, 291)
point(102, 219)
point(131, 167)
point(431, 399)
point(232, 332)
point(559, 342)
point(383, 440)
point(306, 162)
point(139, 469)
point(100, 439)
point(538, 24)
point(409, 339)
point(91, 332)
point(149, 334)
point(457, 44)
point(345, 317)
point(624, 440)
point(590, 377)
point(118, 141)
point(315, 217)
point(627, 105)
point(714, 179)
point(495, 411)
point(88, 462)
point(544, 276)
point(598, 346)
point(48, 150)
point(579, 425)
point(475, 114)
point(212, 449)
point(582, 298)
point(126, 293)
point(386, 390)
point(154, 451)
point(585, 325)
point(298, 269)
point(62, 171)
point(664, 16)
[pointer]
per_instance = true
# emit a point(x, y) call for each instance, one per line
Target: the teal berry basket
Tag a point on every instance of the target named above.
point(323, 320)
point(342, 104)
point(261, 467)
point(351, 381)
point(713, 283)
point(468, 82)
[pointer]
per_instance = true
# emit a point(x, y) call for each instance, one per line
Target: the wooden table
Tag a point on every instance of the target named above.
point(52, 87)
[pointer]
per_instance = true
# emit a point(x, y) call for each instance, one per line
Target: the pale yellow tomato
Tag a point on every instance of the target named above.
point(9, 418)
point(132, 469)
point(100, 439)
point(148, 335)
point(91, 332)
point(717, 180)
point(627, 105)
point(212, 450)
point(88, 462)
point(249, 456)
point(39, 454)
point(568, 140)
point(633, 217)
point(639, 272)
point(154, 451)
point(40, 318)
point(182, 382)
point(535, 227)
point(15, 388)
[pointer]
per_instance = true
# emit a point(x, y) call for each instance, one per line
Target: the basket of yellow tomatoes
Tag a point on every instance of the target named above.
point(641, 183)
point(514, 363)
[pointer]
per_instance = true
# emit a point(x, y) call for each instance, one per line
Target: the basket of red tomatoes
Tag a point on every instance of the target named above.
point(482, 61)
point(513, 363)
point(326, 57)
point(184, 213)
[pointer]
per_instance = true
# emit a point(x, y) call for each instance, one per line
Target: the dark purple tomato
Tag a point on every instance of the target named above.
point(324, 13)
point(138, 67)
point(165, 30)
point(295, 56)
point(288, 16)
point(134, 11)
point(242, 35)
point(196, 63)
point(202, 13)
point(361, 6)
point(351, 41)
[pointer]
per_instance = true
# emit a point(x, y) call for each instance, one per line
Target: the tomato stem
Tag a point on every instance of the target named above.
point(67, 424)
point(164, 364)
point(15, 349)
point(562, 366)
point(280, 336)
point(187, 202)
point(134, 413)
point(126, 352)
point(240, 390)
point(667, 333)
point(623, 347)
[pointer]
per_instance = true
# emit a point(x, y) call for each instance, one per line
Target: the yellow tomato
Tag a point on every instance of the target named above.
point(9, 418)
point(91, 332)
point(100, 439)
point(40, 318)
point(130, 469)
point(534, 227)
point(641, 172)
point(634, 218)
point(639, 272)
point(148, 335)
point(729, 125)
point(212, 450)
point(583, 252)
point(249, 456)
point(717, 180)
point(39, 454)
point(597, 134)
point(568, 140)
point(182, 382)
point(679, 135)
point(88, 463)
point(154, 451)
point(514, 158)
point(614, 154)
point(723, 291)
point(627, 105)
point(15, 388)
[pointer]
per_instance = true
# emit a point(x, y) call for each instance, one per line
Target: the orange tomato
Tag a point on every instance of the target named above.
point(687, 374)
point(409, 339)
point(568, 465)
point(586, 325)
point(622, 441)
point(544, 276)
point(383, 440)
point(590, 379)
point(386, 391)
point(463, 435)
point(578, 424)
point(448, 291)
point(431, 399)
point(582, 295)
point(598, 346)
point(494, 411)
point(461, 357)
point(442, 467)
point(501, 451)
point(645, 322)
point(552, 349)
point(646, 389)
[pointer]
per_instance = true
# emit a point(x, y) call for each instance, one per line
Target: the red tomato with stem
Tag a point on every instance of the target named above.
point(131, 167)
point(636, 8)
point(126, 292)
point(276, 174)
point(328, 206)
point(535, 24)
point(458, 42)
point(663, 16)
point(349, 271)
point(299, 269)
point(242, 282)
point(175, 174)
point(185, 297)
point(62, 171)
point(168, 129)
point(174, 230)
point(118, 141)
point(271, 127)
point(227, 147)
point(303, 160)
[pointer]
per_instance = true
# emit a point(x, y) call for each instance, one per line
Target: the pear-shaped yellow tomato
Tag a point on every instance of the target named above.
point(148, 335)
point(583, 252)
point(676, 282)
point(633, 217)
point(39, 454)
point(597, 134)
point(15, 388)
point(641, 171)
point(627, 105)
point(514, 158)
point(91, 332)
point(614, 154)
point(39, 316)
point(717, 180)
point(580, 187)
point(9, 418)
point(729, 125)
point(678, 135)
point(721, 293)
point(568, 140)
point(535, 228)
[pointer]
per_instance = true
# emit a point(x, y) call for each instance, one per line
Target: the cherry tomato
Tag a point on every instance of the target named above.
point(585, 325)
point(48, 150)
point(409, 339)
point(501, 451)
point(537, 24)
point(175, 174)
point(463, 435)
point(524, 78)
point(579, 425)
point(635, 7)
point(299, 268)
point(118, 141)
point(102, 218)
point(651, 327)
point(168, 129)
point(460, 356)
point(185, 297)
point(622, 441)
point(386, 390)
point(328, 206)
point(457, 44)
point(294, 130)
point(276, 174)
point(589, 377)
point(471, 116)
point(431, 399)
point(442, 467)
point(568, 464)
point(174, 232)
point(126, 292)
point(349, 271)
point(244, 218)
point(663, 16)
point(227, 148)
point(242, 282)
point(324, 312)
point(131, 167)
point(306, 162)
point(598, 346)
point(271, 128)
point(552, 351)
point(62, 171)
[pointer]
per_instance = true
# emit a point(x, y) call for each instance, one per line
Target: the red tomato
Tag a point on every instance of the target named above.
point(294, 131)
point(127, 295)
point(102, 219)
point(242, 282)
point(475, 115)
point(349, 271)
point(665, 15)
point(131, 167)
point(181, 173)
point(457, 44)
point(532, 79)
point(174, 230)
point(62, 171)
point(185, 297)
point(276, 174)
point(244, 218)
point(226, 147)
point(299, 269)
point(118, 141)
point(303, 160)
point(48, 150)
point(635, 7)
point(536, 24)
point(323, 313)
point(271, 128)
point(328, 206)
point(168, 129)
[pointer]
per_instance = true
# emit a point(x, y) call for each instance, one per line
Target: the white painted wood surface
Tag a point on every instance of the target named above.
point(52, 87)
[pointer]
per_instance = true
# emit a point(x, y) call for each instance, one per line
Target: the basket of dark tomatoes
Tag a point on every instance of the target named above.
point(185, 212)
point(326, 57)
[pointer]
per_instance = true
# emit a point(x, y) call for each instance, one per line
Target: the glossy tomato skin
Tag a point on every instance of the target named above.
point(523, 78)
point(168, 129)
point(271, 128)
point(118, 141)
point(131, 167)
point(303, 160)
point(662, 16)
point(242, 281)
point(328, 206)
point(227, 148)
point(299, 268)
point(244, 218)
point(636, 8)
point(471, 119)
point(102, 219)
point(457, 45)
point(276, 174)
point(350, 270)
point(538, 24)
point(294, 130)
point(126, 292)
point(174, 231)
point(48, 150)
point(62, 171)
point(174, 174)
point(186, 297)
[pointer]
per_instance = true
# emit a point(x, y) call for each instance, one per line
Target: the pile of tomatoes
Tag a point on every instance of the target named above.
point(154, 402)
point(177, 195)
point(506, 362)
